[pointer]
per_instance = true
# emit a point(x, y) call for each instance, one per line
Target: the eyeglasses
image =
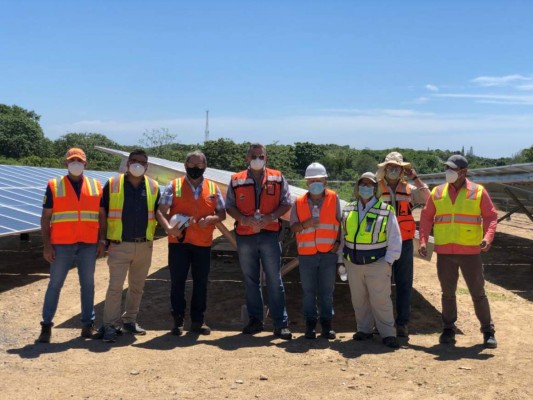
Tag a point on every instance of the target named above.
point(258, 157)
point(453, 169)
point(134, 161)
point(197, 165)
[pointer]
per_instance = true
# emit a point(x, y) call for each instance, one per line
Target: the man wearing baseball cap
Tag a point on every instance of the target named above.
point(464, 222)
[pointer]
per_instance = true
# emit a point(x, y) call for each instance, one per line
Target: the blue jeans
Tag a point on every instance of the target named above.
point(317, 274)
point(263, 248)
point(84, 256)
point(403, 277)
point(181, 257)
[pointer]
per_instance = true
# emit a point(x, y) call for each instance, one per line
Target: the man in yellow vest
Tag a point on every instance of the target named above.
point(69, 226)
point(393, 188)
point(189, 244)
point(127, 224)
point(256, 198)
point(371, 242)
point(315, 219)
point(464, 222)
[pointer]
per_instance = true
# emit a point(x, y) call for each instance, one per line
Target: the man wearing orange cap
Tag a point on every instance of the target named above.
point(69, 225)
point(394, 189)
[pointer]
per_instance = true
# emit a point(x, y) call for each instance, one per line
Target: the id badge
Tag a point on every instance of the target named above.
point(271, 189)
point(369, 223)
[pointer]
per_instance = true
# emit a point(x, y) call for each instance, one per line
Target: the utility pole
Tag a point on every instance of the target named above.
point(206, 126)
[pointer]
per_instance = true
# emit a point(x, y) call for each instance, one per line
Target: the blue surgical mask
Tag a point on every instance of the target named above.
point(366, 192)
point(316, 188)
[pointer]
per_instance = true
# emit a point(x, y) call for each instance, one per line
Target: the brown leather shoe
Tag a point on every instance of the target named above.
point(88, 332)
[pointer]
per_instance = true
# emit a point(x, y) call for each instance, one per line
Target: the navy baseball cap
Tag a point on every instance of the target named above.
point(457, 161)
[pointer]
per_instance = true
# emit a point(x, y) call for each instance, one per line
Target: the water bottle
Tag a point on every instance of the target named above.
point(257, 217)
point(343, 273)
point(316, 212)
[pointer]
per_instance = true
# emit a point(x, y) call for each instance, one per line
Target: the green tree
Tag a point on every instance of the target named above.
point(20, 132)
point(225, 154)
point(158, 141)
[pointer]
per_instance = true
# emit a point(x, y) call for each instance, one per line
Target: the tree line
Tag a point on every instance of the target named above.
point(22, 142)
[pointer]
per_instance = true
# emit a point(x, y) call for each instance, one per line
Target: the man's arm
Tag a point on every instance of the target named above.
point(426, 223)
point(490, 220)
point(49, 253)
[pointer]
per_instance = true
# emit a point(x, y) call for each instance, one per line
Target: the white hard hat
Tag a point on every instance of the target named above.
point(315, 170)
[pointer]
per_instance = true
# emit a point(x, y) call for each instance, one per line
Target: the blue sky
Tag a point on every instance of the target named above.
point(370, 74)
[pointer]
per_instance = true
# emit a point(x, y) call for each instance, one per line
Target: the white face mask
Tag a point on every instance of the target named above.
point(76, 168)
point(451, 176)
point(257, 164)
point(136, 170)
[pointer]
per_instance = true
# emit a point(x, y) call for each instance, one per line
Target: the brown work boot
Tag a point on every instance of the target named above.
point(88, 331)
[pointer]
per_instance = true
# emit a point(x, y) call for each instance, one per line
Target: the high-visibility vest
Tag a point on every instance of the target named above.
point(404, 207)
point(116, 205)
point(321, 239)
point(366, 242)
point(74, 220)
point(458, 223)
point(244, 188)
point(185, 203)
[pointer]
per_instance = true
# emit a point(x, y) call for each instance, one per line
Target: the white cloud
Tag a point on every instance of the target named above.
point(506, 80)
point(492, 98)
point(432, 88)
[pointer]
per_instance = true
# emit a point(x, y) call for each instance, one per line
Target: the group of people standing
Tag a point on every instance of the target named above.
point(370, 241)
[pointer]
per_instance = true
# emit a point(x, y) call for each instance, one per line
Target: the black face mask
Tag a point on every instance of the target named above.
point(195, 172)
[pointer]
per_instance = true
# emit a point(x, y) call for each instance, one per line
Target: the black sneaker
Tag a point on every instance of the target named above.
point(310, 329)
point(254, 326)
point(283, 333)
point(447, 336)
point(201, 328)
point(46, 333)
point(110, 334)
point(392, 342)
point(489, 340)
point(133, 328)
point(359, 336)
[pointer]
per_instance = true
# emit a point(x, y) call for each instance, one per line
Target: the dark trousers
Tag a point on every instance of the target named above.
point(181, 256)
point(402, 270)
point(472, 269)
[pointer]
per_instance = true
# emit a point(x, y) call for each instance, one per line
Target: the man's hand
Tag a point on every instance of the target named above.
point(410, 173)
point(49, 253)
point(100, 250)
point(206, 221)
point(485, 246)
point(422, 250)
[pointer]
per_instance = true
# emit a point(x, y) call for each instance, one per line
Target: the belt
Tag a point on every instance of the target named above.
point(136, 240)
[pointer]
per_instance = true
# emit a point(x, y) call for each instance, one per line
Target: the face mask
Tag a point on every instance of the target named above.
point(195, 172)
point(257, 164)
point(451, 176)
point(316, 188)
point(136, 170)
point(393, 174)
point(366, 192)
point(76, 168)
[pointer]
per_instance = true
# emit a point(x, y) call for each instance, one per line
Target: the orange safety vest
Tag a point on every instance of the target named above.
point(244, 188)
point(74, 220)
point(322, 239)
point(185, 203)
point(404, 207)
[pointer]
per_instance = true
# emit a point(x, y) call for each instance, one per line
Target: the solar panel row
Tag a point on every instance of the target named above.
point(21, 195)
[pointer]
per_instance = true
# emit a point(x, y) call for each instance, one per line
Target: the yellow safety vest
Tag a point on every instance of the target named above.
point(458, 223)
point(116, 204)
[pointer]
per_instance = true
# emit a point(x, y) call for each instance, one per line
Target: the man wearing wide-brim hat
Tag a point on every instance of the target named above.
point(394, 189)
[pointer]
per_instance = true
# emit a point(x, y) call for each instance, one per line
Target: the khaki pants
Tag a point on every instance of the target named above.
point(370, 288)
point(133, 260)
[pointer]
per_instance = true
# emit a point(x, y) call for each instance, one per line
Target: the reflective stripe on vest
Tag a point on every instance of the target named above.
point(116, 204)
point(367, 241)
point(74, 219)
point(458, 223)
point(244, 188)
point(322, 238)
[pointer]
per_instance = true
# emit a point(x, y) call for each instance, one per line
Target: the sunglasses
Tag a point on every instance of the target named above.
point(258, 157)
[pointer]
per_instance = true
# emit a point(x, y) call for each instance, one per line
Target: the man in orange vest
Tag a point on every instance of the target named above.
point(189, 244)
point(256, 198)
point(69, 226)
point(127, 224)
point(395, 190)
point(315, 219)
point(464, 223)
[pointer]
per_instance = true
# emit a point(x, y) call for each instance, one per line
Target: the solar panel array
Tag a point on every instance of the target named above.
point(21, 195)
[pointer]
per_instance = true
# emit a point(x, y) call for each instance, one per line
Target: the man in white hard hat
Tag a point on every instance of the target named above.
point(394, 189)
point(371, 242)
point(315, 219)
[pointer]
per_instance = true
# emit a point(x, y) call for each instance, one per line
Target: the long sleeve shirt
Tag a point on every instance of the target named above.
point(489, 216)
point(394, 236)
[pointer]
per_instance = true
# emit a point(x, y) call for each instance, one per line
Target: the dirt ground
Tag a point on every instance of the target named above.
point(229, 365)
